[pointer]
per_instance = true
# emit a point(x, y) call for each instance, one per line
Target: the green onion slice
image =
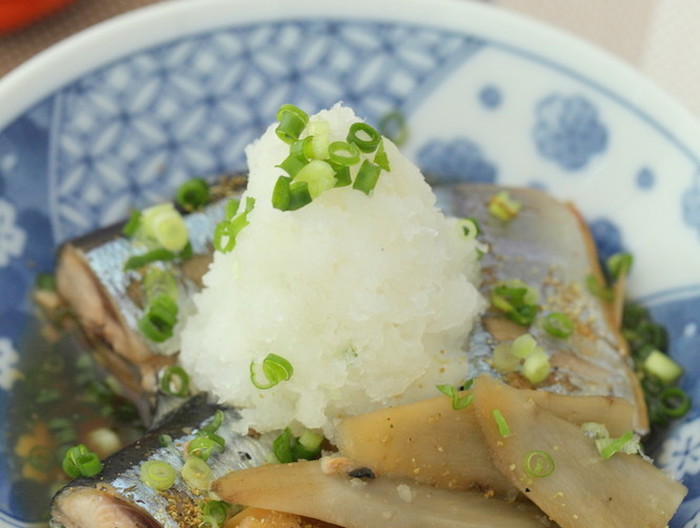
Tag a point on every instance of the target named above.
point(503, 427)
point(160, 318)
point(276, 370)
point(536, 366)
point(381, 158)
point(503, 207)
point(227, 230)
point(215, 513)
point(675, 402)
point(393, 125)
point(282, 447)
point(458, 402)
point(342, 176)
point(619, 265)
point(175, 381)
point(205, 446)
point(343, 154)
point(163, 224)
point(558, 325)
point(517, 300)
point(281, 194)
point(192, 194)
point(292, 121)
point(157, 474)
point(469, 228)
point(132, 224)
point(598, 290)
point(197, 474)
point(318, 175)
point(539, 464)
point(364, 136)
point(80, 461)
point(367, 177)
point(299, 195)
point(662, 366)
point(215, 422)
point(607, 447)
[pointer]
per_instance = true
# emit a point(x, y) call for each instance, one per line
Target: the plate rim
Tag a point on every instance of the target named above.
point(55, 67)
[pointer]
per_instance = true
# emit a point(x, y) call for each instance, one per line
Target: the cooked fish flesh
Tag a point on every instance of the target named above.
point(117, 497)
point(107, 300)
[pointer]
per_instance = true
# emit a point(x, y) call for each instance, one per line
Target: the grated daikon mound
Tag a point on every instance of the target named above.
point(370, 298)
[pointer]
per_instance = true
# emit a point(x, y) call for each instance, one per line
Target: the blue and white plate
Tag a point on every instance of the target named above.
point(119, 115)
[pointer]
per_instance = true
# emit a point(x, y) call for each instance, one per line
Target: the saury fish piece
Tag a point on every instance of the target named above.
point(118, 498)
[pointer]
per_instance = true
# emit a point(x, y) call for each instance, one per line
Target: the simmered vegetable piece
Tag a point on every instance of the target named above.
point(555, 465)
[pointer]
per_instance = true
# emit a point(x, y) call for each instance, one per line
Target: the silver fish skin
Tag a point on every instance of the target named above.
point(548, 246)
point(107, 300)
point(117, 498)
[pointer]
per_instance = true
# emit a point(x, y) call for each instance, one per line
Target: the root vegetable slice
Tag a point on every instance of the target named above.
point(257, 518)
point(584, 490)
point(302, 488)
point(431, 442)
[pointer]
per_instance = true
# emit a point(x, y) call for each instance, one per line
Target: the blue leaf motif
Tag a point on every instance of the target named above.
point(568, 131)
point(454, 160)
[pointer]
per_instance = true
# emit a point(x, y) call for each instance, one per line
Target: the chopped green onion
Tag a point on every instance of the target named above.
point(517, 300)
point(80, 461)
point(367, 177)
point(215, 423)
point(539, 464)
point(293, 163)
point(619, 265)
point(364, 136)
point(342, 176)
point(662, 366)
point(287, 448)
point(154, 255)
point(164, 225)
point(275, 368)
point(607, 447)
point(317, 147)
point(282, 447)
point(281, 195)
point(503, 428)
point(393, 125)
point(558, 325)
point(228, 229)
point(165, 440)
point(175, 381)
point(157, 474)
point(503, 207)
point(205, 446)
point(458, 402)
point(215, 513)
point(503, 359)
point(231, 208)
point(197, 474)
point(132, 224)
point(46, 281)
point(343, 154)
point(159, 282)
point(192, 194)
point(469, 228)
point(292, 121)
point(598, 290)
point(675, 402)
point(159, 319)
point(380, 158)
point(299, 195)
point(536, 366)
point(524, 346)
point(319, 176)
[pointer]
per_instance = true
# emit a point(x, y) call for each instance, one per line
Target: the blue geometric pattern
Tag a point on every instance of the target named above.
point(491, 96)
point(459, 159)
point(568, 131)
point(645, 178)
point(200, 101)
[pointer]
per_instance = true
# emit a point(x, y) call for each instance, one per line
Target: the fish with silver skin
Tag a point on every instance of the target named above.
point(108, 301)
point(547, 246)
point(117, 497)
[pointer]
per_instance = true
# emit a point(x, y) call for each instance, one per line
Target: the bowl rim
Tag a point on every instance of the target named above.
point(55, 67)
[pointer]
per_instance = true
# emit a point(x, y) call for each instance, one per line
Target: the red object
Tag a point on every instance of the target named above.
point(16, 14)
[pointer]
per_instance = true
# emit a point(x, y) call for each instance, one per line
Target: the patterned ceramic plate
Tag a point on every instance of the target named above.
point(118, 116)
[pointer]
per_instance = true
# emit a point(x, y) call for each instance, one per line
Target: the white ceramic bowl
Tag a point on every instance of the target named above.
point(118, 115)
